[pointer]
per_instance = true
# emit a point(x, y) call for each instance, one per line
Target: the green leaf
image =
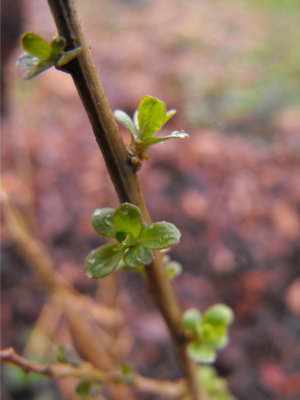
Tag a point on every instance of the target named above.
point(169, 115)
point(58, 44)
point(126, 242)
point(137, 256)
point(160, 235)
point(173, 268)
point(219, 314)
point(103, 222)
point(151, 116)
point(67, 57)
point(102, 261)
point(128, 218)
point(38, 69)
point(36, 46)
point(26, 60)
point(201, 352)
point(191, 318)
point(67, 354)
point(126, 121)
point(127, 373)
point(174, 135)
point(87, 388)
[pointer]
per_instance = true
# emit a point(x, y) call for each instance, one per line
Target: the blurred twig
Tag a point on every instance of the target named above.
point(87, 371)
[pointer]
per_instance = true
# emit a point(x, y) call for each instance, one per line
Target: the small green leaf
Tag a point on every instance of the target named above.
point(160, 235)
point(67, 57)
point(26, 60)
point(201, 352)
point(103, 222)
point(126, 242)
point(58, 44)
point(102, 261)
point(137, 256)
point(127, 373)
point(67, 354)
point(173, 268)
point(191, 318)
point(128, 218)
point(36, 46)
point(126, 121)
point(174, 135)
point(151, 116)
point(87, 388)
point(169, 115)
point(38, 69)
point(219, 314)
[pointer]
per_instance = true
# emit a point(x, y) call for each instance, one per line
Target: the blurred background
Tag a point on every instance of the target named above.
point(231, 69)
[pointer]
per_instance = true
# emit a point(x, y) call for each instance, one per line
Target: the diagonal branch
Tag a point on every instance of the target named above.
point(122, 173)
point(87, 371)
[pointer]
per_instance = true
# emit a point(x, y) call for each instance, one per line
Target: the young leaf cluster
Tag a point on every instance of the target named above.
point(39, 55)
point(210, 330)
point(148, 119)
point(135, 241)
point(214, 386)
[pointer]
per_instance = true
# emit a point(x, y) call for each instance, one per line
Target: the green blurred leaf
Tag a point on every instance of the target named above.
point(38, 69)
point(126, 121)
point(58, 44)
point(127, 373)
point(151, 116)
point(201, 352)
point(36, 46)
point(67, 354)
point(160, 236)
point(103, 222)
point(87, 388)
point(155, 140)
point(67, 57)
point(191, 318)
point(137, 256)
point(128, 218)
point(219, 314)
point(174, 268)
point(102, 261)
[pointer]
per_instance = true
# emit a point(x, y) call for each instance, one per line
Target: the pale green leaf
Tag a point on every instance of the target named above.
point(219, 314)
point(58, 44)
point(201, 352)
point(38, 69)
point(151, 116)
point(36, 46)
point(126, 121)
point(67, 57)
point(191, 318)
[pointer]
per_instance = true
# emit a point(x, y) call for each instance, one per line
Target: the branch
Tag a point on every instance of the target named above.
point(122, 173)
point(87, 371)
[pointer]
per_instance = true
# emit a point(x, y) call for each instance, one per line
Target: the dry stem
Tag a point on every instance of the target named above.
point(87, 371)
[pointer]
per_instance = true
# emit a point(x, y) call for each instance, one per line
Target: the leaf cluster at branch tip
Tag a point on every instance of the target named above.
point(150, 117)
point(135, 241)
point(39, 55)
point(210, 330)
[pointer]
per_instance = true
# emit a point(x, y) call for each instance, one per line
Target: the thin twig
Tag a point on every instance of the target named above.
point(87, 371)
point(122, 173)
